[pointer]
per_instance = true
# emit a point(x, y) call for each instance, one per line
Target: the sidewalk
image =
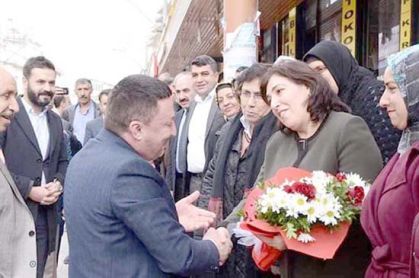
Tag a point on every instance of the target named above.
point(62, 269)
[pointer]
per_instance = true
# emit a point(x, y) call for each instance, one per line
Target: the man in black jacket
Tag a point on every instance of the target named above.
point(35, 153)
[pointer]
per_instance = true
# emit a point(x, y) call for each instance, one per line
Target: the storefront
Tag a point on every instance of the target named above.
point(371, 29)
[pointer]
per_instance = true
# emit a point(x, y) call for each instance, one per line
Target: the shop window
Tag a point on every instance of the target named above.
point(269, 51)
point(388, 31)
point(330, 19)
point(324, 4)
point(285, 25)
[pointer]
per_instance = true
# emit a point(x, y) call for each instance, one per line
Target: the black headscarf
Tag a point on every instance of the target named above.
point(360, 90)
point(342, 66)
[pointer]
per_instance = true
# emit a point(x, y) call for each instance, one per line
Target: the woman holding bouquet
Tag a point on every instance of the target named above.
point(318, 133)
point(391, 206)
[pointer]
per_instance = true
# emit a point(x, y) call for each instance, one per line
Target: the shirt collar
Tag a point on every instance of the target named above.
point(247, 127)
point(30, 110)
point(88, 109)
point(208, 98)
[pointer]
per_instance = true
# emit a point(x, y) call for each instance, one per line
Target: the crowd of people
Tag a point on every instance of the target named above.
point(148, 180)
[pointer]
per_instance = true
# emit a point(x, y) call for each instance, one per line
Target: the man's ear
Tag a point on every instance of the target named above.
point(136, 129)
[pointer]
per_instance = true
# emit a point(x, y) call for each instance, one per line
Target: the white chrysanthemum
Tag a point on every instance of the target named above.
point(330, 217)
point(324, 200)
point(280, 201)
point(263, 204)
point(329, 209)
point(297, 203)
point(305, 238)
point(355, 180)
point(320, 180)
point(313, 212)
point(270, 200)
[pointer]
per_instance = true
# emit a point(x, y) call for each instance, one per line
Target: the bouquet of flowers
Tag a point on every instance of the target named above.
point(312, 211)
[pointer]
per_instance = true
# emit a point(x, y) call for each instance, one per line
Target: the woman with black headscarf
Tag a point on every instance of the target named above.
point(357, 87)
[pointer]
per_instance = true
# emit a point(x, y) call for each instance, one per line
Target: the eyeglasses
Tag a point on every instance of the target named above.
point(246, 95)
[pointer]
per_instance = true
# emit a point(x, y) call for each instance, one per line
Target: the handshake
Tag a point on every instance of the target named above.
point(221, 238)
point(193, 218)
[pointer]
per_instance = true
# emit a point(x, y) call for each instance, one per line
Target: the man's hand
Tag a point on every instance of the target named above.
point(221, 239)
point(276, 242)
point(47, 194)
point(38, 193)
point(191, 217)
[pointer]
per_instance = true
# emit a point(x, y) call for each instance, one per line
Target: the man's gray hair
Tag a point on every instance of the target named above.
point(84, 81)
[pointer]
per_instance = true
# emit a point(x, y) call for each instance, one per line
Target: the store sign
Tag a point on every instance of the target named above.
point(405, 23)
point(349, 25)
point(292, 32)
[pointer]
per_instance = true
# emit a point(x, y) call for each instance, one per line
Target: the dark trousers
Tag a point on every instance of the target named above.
point(41, 227)
point(179, 191)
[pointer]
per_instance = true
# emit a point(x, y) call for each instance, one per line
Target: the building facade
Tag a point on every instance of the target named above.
point(372, 29)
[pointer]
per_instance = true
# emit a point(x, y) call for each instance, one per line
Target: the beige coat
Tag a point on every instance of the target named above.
point(17, 231)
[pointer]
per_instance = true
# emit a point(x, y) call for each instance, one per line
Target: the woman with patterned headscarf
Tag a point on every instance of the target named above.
point(393, 202)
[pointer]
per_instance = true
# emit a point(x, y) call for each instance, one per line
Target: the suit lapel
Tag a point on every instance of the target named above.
point(211, 116)
point(53, 136)
point(22, 118)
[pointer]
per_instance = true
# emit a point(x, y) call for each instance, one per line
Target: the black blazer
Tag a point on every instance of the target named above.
point(24, 159)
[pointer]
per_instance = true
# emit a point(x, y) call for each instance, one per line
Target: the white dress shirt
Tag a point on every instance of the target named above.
point(196, 133)
point(182, 123)
point(40, 127)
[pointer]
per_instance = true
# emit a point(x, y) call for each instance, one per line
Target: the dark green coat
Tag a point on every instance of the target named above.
point(342, 144)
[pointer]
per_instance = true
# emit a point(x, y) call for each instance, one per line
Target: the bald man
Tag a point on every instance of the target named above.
point(17, 236)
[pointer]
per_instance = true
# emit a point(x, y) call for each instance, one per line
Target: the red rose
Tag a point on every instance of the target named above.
point(306, 189)
point(340, 177)
point(356, 195)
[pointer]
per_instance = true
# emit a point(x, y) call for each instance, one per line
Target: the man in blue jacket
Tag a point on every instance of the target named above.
point(122, 221)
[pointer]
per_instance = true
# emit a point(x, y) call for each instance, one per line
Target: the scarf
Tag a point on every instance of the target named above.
point(405, 68)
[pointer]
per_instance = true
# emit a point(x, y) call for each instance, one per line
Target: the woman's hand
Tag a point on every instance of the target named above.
point(276, 242)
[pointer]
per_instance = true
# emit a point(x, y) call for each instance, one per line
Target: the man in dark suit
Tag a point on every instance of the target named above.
point(17, 240)
point(35, 153)
point(84, 111)
point(203, 122)
point(95, 126)
point(184, 95)
point(122, 221)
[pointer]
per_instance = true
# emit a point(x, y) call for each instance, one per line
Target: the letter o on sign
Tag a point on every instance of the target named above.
point(348, 40)
point(349, 14)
